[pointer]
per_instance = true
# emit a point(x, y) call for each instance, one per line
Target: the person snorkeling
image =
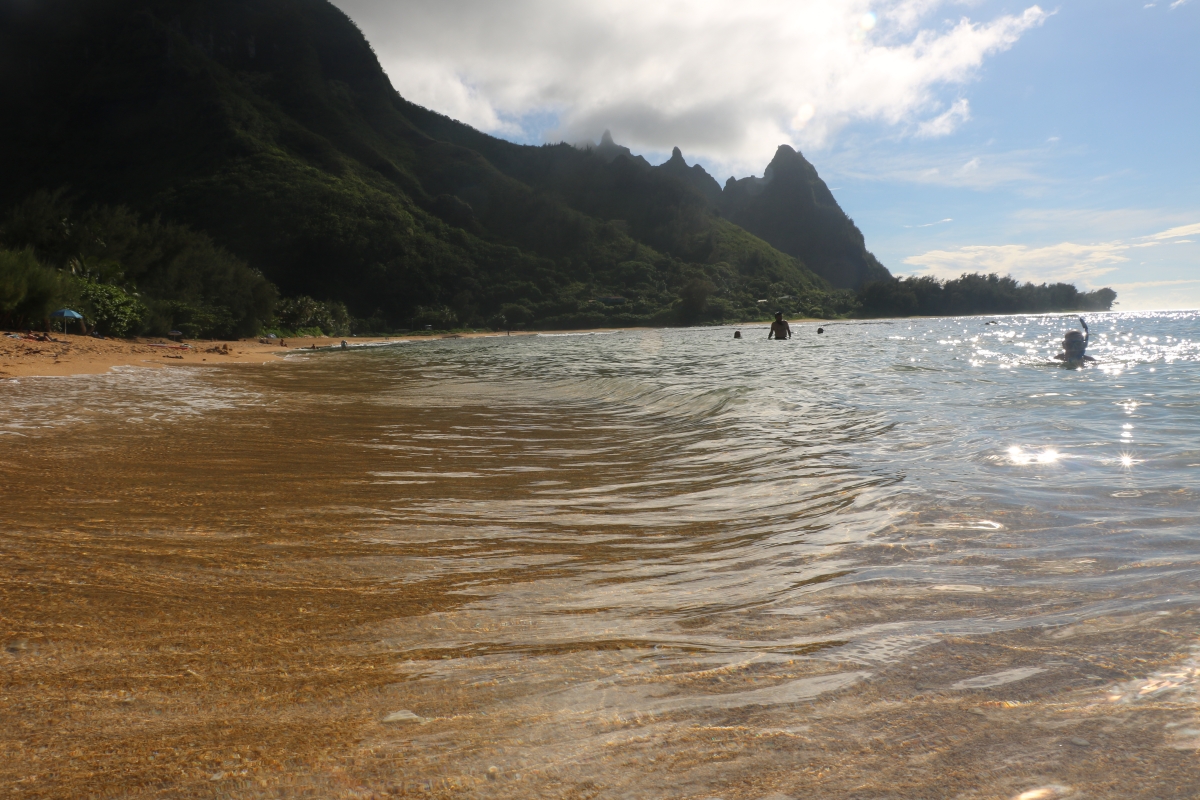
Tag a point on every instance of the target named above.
point(780, 330)
point(1074, 347)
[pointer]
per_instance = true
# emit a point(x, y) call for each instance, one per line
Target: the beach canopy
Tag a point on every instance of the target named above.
point(66, 313)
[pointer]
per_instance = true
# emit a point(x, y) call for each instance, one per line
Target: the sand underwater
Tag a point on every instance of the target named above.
point(900, 559)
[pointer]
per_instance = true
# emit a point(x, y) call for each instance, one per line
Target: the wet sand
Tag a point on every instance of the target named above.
point(347, 587)
point(202, 612)
point(166, 636)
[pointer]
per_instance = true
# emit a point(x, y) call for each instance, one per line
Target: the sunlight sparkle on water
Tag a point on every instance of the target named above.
point(1018, 456)
point(1043, 793)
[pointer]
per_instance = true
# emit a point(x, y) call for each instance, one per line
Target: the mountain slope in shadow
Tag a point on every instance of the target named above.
point(270, 126)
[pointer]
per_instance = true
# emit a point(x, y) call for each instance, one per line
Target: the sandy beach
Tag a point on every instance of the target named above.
point(73, 354)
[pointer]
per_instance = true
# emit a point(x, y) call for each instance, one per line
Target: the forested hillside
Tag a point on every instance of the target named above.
point(270, 127)
point(217, 155)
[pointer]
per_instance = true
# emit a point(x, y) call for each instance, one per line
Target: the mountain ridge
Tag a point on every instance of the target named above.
point(271, 127)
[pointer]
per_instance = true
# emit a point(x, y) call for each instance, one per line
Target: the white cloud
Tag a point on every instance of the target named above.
point(1059, 262)
point(727, 82)
point(945, 124)
point(1066, 261)
point(1175, 233)
point(1177, 4)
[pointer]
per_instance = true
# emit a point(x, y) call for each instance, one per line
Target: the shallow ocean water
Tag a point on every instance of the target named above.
point(902, 558)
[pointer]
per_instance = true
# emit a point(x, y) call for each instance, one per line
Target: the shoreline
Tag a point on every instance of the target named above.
point(70, 354)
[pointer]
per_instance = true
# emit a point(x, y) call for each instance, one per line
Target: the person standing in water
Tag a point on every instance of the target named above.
point(780, 330)
point(1074, 344)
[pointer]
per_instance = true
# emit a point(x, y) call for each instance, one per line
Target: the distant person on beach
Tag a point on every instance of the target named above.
point(1074, 344)
point(780, 330)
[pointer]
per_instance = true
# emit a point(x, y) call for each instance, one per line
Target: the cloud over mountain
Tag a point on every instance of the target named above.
point(726, 82)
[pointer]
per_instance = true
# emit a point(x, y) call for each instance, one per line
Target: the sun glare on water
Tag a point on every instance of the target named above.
point(1043, 793)
point(1018, 456)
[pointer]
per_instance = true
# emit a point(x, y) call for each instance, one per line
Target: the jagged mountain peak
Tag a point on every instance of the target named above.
point(785, 153)
point(610, 151)
point(788, 160)
point(694, 176)
point(793, 209)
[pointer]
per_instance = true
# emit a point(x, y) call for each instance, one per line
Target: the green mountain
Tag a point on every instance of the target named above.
point(793, 209)
point(269, 127)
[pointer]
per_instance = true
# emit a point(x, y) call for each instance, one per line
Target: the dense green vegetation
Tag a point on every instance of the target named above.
point(304, 316)
point(221, 152)
point(29, 291)
point(975, 294)
point(129, 276)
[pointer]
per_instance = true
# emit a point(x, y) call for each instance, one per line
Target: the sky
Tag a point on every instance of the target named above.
point(1048, 142)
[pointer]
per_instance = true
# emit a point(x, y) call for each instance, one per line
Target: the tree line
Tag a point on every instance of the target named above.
point(974, 293)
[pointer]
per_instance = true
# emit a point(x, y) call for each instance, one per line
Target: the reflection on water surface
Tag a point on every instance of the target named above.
point(906, 559)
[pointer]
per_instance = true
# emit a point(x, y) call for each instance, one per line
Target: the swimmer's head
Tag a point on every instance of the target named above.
point(778, 315)
point(1073, 343)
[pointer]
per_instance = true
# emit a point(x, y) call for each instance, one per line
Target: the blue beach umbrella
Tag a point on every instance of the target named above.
point(65, 314)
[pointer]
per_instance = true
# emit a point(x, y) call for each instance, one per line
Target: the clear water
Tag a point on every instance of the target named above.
point(911, 558)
